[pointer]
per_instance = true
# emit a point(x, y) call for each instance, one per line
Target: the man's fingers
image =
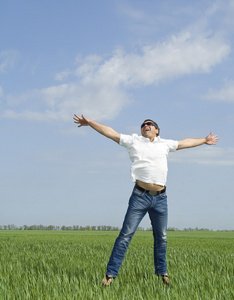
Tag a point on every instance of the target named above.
point(76, 119)
point(82, 121)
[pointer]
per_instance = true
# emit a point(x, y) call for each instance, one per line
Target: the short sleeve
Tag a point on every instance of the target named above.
point(126, 140)
point(173, 145)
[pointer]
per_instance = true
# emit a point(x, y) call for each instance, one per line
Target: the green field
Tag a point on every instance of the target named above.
point(71, 265)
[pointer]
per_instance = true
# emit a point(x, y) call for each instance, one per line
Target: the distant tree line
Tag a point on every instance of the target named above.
point(189, 229)
point(90, 228)
point(193, 229)
point(53, 227)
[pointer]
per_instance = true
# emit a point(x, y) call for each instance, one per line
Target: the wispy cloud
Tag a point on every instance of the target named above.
point(178, 56)
point(195, 17)
point(7, 60)
point(225, 94)
point(210, 155)
point(1, 92)
point(99, 86)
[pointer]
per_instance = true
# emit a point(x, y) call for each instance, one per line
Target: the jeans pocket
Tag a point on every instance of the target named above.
point(138, 192)
point(162, 199)
point(163, 196)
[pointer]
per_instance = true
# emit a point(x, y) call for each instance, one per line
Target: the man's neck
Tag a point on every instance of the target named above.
point(151, 138)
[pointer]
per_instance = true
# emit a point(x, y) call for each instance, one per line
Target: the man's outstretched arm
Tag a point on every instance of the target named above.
point(189, 143)
point(103, 129)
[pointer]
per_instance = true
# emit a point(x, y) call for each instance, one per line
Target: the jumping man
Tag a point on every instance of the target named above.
point(148, 154)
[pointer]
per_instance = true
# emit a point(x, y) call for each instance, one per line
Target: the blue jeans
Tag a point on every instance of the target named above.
point(139, 204)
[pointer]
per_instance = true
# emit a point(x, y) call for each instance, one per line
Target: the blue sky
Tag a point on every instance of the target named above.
point(117, 62)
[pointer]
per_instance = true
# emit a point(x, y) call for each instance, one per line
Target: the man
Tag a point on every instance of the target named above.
point(148, 154)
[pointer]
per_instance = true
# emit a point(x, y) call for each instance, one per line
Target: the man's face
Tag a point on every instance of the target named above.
point(148, 130)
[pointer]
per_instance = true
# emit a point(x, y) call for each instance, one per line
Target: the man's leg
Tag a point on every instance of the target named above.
point(137, 209)
point(158, 215)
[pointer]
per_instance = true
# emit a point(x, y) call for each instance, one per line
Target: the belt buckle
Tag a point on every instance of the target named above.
point(153, 193)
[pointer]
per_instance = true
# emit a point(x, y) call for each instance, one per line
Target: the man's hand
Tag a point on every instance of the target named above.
point(211, 140)
point(82, 121)
point(189, 143)
point(103, 129)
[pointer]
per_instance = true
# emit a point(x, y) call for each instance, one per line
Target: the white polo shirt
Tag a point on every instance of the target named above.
point(149, 159)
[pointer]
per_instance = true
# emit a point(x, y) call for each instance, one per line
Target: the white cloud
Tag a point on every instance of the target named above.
point(207, 155)
point(61, 102)
point(62, 75)
point(155, 18)
point(224, 94)
point(1, 92)
point(176, 57)
point(7, 60)
point(98, 87)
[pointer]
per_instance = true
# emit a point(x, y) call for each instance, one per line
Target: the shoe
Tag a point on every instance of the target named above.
point(165, 279)
point(108, 280)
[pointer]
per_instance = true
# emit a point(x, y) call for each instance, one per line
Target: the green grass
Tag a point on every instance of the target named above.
point(71, 265)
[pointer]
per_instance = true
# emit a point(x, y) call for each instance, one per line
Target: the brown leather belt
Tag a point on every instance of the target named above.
point(152, 193)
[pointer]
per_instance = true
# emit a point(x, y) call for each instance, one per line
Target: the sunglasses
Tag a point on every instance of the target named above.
point(147, 123)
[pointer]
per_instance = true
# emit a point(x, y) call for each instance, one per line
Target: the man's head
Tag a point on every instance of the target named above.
point(149, 129)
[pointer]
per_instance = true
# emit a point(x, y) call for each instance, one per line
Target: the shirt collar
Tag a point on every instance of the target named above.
point(156, 139)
